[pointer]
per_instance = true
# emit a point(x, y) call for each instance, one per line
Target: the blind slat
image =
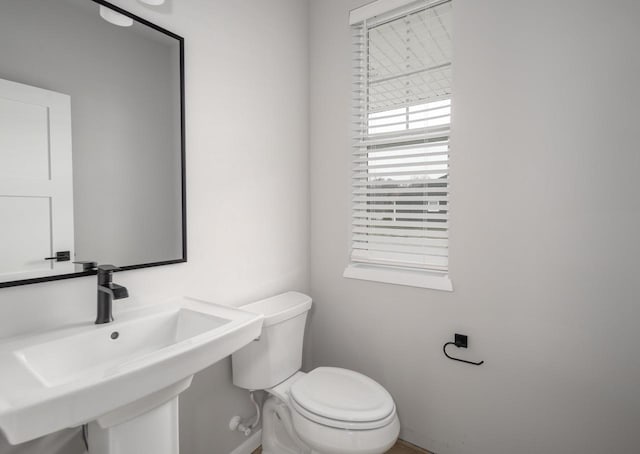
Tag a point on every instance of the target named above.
point(411, 249)
point(407, 163)
point(433, 184)
point(398, 216)
point(435, 204)
point(397, 198)
point(399, 155)
point(435, 242)
point(406, 233)
point(367, 175)
point(422, 224)
point(423, 146)
point(404, 190)
point(409, 136)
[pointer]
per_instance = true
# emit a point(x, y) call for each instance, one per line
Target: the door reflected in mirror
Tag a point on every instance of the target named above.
point(91, 141)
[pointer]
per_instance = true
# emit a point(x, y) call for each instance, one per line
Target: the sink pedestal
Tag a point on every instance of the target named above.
point(149, 425)
point(154, 432)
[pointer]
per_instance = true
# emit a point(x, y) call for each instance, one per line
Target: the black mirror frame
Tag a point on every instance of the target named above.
point(183, 175)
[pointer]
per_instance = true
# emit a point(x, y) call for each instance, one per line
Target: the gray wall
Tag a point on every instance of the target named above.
point(544, 242)
point(247, 186)
point(124, 88)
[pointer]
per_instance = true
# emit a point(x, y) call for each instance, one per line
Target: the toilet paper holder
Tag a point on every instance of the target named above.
point(460, 341)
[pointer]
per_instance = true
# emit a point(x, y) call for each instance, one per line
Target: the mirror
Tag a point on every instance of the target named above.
point(91, 140)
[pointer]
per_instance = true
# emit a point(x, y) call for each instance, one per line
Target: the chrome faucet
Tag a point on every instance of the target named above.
point(107, 292)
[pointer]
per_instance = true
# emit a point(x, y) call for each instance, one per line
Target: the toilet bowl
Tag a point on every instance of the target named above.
point(326, 411)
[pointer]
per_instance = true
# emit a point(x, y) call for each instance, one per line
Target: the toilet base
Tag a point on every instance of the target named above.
point(278, 436)
point(329, 440)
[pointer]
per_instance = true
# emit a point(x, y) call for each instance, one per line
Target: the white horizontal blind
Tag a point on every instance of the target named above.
point(402, 118)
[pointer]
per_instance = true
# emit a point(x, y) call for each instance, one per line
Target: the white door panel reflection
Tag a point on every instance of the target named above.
point(36, 181)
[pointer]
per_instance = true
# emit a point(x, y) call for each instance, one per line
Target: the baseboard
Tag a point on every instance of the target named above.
point(250, 444)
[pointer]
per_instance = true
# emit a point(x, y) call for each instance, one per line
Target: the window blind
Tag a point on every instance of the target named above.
point(402, 118)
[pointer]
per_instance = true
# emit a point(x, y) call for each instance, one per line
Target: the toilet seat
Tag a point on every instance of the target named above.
point(342, 399)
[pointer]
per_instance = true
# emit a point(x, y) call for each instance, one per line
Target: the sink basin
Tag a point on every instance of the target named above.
point(95, 353)
point(114, 372)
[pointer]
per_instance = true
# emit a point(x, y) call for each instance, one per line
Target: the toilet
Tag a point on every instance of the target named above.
point(326, 411)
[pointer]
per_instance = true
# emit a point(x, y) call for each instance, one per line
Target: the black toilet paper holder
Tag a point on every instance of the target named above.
point(460, 341)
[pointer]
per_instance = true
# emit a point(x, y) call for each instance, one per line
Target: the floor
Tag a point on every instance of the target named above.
point(401, 447)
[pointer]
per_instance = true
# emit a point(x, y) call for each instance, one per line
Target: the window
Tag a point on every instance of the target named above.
point(402, 118)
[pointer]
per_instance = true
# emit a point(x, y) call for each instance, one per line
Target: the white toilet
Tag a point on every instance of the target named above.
point(326, 411)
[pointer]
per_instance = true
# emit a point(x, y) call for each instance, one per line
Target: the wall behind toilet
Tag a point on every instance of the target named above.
point(247, 187)
point(544, 240)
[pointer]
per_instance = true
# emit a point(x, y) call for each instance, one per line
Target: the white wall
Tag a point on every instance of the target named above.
point(247, 178)
point(544, 248)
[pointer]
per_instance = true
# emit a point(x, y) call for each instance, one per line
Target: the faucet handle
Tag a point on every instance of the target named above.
point(108, 268)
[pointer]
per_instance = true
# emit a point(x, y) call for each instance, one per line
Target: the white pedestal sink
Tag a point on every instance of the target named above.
point(122, 378)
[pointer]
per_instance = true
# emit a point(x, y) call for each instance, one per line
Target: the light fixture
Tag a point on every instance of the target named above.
point(153, 2)
point(114, 17)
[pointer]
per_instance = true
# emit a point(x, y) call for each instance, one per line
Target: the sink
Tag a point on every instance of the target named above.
point(103, 352)
point(116, 373)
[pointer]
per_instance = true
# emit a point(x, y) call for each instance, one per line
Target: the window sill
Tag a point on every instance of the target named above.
point(399, 276)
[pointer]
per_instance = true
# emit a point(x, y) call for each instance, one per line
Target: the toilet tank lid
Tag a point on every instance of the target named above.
point(280, 307)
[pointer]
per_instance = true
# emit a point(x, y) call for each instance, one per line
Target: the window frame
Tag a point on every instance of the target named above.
point(392, 274)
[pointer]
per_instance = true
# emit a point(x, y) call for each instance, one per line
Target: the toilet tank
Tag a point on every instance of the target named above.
point(277, 354)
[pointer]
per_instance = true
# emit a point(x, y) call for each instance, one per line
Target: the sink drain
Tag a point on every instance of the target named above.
point(115, 335)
